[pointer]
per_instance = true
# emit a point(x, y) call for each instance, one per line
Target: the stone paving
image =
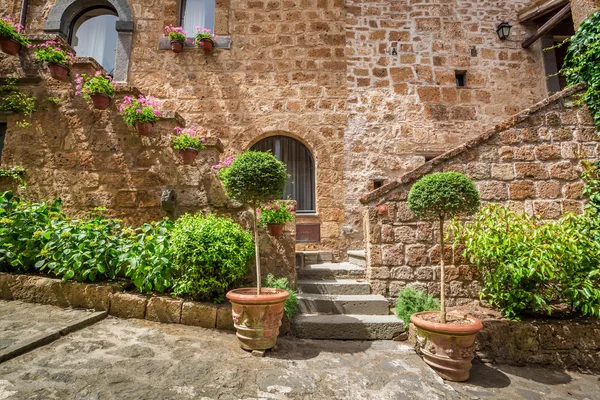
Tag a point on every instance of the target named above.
point(137, 359)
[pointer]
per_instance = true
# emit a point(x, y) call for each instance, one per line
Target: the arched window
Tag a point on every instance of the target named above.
point(197, 13)
point(93, 33)
point(300, 167)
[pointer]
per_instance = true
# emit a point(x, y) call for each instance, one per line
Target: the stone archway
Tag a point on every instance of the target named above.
point(64, 12)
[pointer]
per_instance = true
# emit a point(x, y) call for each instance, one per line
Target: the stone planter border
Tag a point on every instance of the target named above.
point(109, 296)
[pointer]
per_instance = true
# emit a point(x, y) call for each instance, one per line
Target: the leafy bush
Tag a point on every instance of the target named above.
point(254, 177)
point(291, 303)
point(210, 254)
point(51, 52)
point(12, 99)
point(97, 84)
point(140, 110)
point(581, 62)
point(187, 138)
point(591, 178)
point(13, 30)
point(528, 265)
point(411, 300)
point(277, 212)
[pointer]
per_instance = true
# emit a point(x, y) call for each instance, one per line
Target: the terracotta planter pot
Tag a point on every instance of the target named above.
point(448, 349)
point(176, 46)
point(58, 71)
point(207, 45)
point(101, 101)
point(188, 156)
point(257, 318)
point(143, 128)
point(275, 229)
point(10, 46)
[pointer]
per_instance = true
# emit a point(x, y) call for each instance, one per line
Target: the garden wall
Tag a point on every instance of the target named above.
point(531, 163)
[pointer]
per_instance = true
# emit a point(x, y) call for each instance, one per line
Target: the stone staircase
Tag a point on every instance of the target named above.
point(336, 300)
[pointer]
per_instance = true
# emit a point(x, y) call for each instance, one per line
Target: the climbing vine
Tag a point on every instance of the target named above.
point(15, 173)
point(12, 99)
point(582, 63)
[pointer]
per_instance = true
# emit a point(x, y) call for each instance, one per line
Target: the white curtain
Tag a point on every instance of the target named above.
point(97, 37)
point(198, 13)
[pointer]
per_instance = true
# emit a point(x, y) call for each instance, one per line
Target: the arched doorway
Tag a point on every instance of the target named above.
point(300, 166)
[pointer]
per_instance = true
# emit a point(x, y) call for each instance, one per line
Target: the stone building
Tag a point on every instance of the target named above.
point(350, 94)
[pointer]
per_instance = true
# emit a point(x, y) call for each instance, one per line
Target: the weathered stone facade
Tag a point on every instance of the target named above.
point(531, 163)
point(368, 86)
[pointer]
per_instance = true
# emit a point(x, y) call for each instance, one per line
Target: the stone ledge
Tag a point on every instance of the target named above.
point(222, 42)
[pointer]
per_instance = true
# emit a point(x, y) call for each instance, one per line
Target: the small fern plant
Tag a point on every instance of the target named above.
point(411, 300)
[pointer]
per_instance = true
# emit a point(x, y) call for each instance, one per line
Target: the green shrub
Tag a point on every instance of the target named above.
point(291, 303)
point(210, 254)
point(411, 300)
point(527, 264)
point(254, 177)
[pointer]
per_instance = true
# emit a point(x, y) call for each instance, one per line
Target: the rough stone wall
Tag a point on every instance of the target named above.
point(531, 163)
point(404, 103)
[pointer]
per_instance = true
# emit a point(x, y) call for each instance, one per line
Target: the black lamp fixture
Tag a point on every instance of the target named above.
point(503, 30)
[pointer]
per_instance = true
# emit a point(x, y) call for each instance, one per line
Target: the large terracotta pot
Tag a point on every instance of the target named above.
point(58, 71)
point(188, 155)
point(257, 318)
point(176, 46)
point(143, 128)
point(207, 45)
point(446, 348)
point(10, 46)
point(275, 229)
point(100, 101)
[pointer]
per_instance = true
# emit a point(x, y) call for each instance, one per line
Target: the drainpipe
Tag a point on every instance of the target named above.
point(23, 19)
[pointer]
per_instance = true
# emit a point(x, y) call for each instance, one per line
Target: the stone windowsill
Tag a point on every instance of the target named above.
point(307, 215)
point(222, 42)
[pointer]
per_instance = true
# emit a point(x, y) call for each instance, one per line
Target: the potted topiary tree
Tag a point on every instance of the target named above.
point(254, 178)
point(446, 340)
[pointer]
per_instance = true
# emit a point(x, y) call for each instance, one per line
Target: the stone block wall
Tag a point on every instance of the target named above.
point(531, 163)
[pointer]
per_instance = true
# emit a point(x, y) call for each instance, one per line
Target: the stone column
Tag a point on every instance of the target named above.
point(582, 9)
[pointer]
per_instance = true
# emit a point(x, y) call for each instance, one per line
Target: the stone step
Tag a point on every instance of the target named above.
point(338, 286)
point(348, 327)
point(331, 271)
point(357, 257)
point(313, 257)
point(369, 304)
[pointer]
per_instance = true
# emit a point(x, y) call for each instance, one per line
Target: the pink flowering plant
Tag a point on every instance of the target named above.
point(223, 164)
point(276, 212)
point(12, 30)
point(51, 52)
point(142, 110)
point(187, 138)
point(97, 84)
point(175, 33)
point(204, 34)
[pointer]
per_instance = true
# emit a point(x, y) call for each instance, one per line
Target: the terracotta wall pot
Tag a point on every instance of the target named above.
point(143, 128)
point(101, 101)
point(10, 46)
point(176, 46)
point(275, 229)
point(58, 71)
point(188, 156)
point(257, 318)
point(207, 45)
point(448, 349)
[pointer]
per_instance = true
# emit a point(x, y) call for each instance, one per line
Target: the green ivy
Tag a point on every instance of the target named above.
point(12, 99)
point(591, 190)
point(291, 303)
point(14, 173)
point(411, 300)
point(582, 62)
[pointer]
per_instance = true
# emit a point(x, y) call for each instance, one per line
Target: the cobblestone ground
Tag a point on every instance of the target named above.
point(135, 359)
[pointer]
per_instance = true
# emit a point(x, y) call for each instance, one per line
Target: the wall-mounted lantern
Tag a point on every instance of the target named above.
point(503, 30)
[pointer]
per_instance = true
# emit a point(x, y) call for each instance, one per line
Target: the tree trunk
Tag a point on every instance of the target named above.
point(258, 279)
point(442, 276)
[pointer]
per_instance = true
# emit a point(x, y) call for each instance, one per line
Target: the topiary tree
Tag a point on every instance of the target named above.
point(438, 197)
point(254, 178)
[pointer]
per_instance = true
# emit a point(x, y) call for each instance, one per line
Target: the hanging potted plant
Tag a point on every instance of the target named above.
point(59, 60)
point(11, 36)
point(141, 113)
point(446, 340)
point(177, 36)
point(98, 88)
point(205, 39)
point(255, 178)
point(188, 142)
point(274, 215)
